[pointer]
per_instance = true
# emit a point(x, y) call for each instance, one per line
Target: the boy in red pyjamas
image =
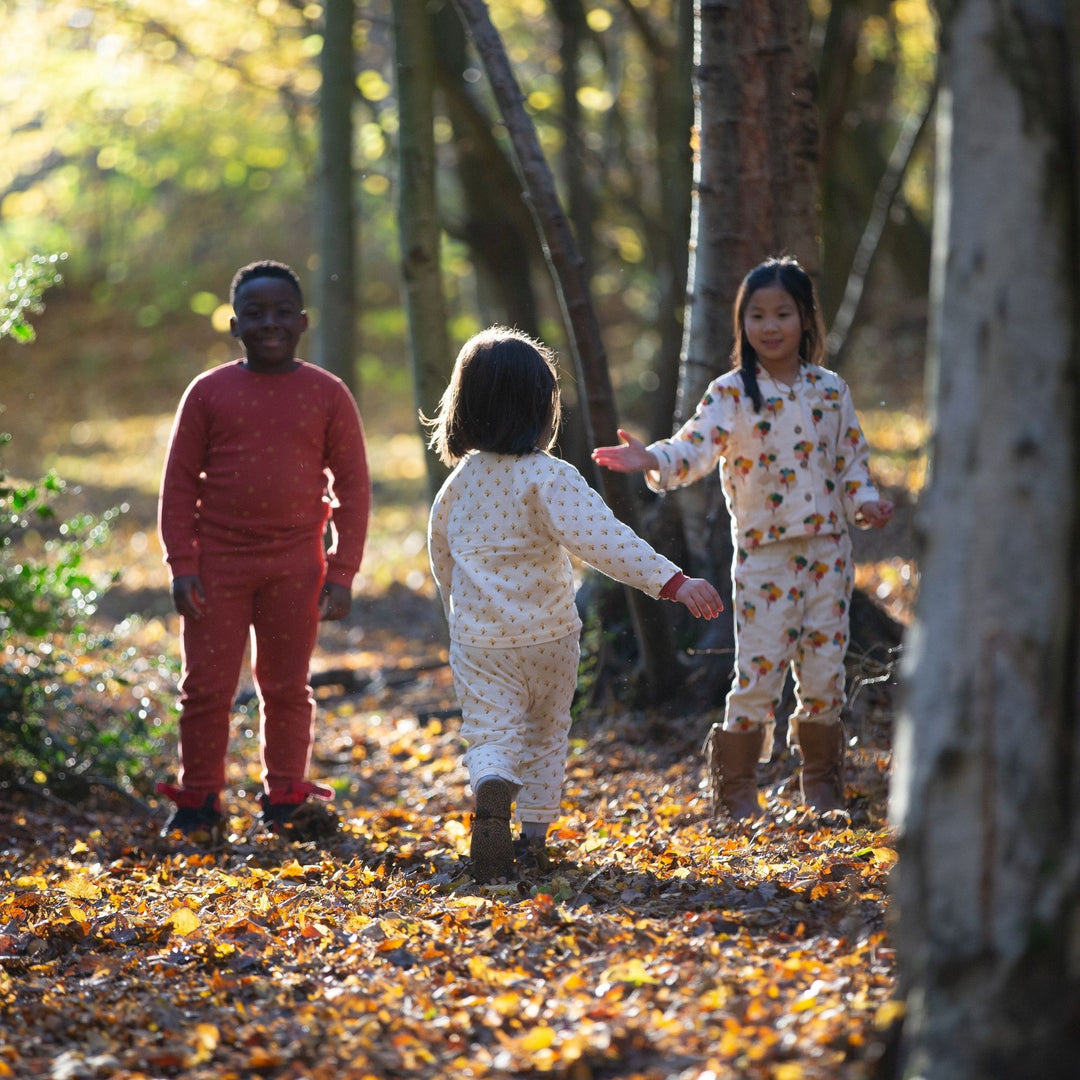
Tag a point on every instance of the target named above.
point(264, 451)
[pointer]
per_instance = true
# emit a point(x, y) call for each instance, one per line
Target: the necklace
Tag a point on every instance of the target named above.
point(788, 388)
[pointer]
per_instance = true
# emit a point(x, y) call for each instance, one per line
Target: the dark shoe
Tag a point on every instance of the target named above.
point(822, 780)
point(200, 822)
point(492, 847)
point(731, 759)
point(531, 856)
point(290, 812)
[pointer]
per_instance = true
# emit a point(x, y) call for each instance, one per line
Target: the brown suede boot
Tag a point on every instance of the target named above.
point(731, 758)
point(822, 780)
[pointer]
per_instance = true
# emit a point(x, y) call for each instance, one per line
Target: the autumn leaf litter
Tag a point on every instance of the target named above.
point(660, 943)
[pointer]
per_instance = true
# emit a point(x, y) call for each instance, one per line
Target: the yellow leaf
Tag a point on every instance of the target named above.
point(291, 869)
point(468, 901)
point(788, 1070)
point(481, 968)
point(506, 1004)
point(882, 856)
point(716, 998)
point(184, 921)
point(540, 1038)
point(77, 913)
point(81, 888)
point(888, 1013)
point(79, 848)
point(206, 1040)
point(629, 971)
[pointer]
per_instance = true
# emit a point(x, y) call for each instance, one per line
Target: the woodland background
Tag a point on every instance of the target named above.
point(158, 146)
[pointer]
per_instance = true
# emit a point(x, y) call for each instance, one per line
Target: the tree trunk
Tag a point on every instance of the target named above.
point(494, 222)
point(887, 190)
point(755, 186)
point(335, 280)
point(575, 169)
point(418, 216)
point(660, 669)
point(673, 123)
point(986, 795)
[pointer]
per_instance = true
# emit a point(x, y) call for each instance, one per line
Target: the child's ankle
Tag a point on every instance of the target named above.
point(534, 830)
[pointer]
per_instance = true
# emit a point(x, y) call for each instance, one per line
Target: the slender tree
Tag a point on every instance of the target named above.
point(986, 795)
point(754, 196)
point(336, 276)
point(661, 672)
point(418, 215)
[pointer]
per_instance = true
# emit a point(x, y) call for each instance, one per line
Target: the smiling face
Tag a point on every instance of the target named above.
point(269, 320)
point(774, 327)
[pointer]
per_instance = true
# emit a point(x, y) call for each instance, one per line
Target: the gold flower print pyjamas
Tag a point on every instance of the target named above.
point(792, 602)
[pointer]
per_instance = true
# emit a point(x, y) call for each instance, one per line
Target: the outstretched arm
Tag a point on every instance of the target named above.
point(631, 455)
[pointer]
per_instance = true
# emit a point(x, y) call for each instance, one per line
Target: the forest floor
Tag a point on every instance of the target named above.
point(660, 943)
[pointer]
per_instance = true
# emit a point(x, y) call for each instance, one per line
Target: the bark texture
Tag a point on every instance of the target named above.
point(755, 195)
point(660, 669)
point(336, 278)
point(418, 217)
point(986, 794)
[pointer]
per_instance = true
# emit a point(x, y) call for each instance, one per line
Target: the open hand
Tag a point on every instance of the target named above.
point(630, 456)
point(702, 600)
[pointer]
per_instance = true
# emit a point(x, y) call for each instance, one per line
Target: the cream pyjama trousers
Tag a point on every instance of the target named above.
point(792, 609)
point(515, 706)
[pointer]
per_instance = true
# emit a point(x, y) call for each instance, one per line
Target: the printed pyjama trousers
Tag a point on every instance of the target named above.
point(792, 609)
point(274, 599)
point(515, 706)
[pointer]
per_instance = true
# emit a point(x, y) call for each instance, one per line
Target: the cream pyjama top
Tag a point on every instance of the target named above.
point(799, 467)
point(500, 536)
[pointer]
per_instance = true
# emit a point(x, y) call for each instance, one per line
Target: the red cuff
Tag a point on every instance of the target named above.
point(673, 585)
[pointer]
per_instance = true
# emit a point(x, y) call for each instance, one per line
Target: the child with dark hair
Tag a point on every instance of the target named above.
point(500, 536)
point(264, 452)
point(793, 467)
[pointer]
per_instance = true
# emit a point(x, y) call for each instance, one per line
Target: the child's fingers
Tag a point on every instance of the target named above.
point(700, 598)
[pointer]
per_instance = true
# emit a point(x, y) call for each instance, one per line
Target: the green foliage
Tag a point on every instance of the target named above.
point(54, 728)
point(46, 595)
point(26, 283)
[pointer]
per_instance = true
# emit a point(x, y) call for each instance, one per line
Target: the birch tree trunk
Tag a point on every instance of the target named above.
point(336, 276)
point(418, 215)
point(986, 794)
point(755, 191)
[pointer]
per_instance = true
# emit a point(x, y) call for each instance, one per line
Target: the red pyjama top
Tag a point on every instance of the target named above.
point(256, 462)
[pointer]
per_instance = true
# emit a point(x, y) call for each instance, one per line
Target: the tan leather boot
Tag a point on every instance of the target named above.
point(732, 760)
point(822, 780)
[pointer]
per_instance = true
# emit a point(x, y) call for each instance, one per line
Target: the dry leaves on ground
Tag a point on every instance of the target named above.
point(659, 944)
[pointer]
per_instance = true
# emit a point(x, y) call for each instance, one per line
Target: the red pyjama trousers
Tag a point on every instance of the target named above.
point(274, 599)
